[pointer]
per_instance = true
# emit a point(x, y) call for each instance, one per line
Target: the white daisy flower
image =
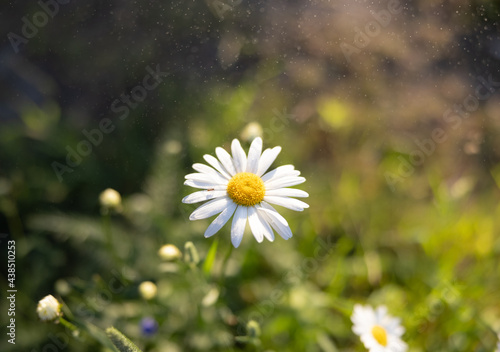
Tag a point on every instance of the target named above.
point(239, 185)
point(378, 331)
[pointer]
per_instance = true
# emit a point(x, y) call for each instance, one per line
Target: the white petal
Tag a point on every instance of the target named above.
point(239, 156)
point(217, 165)
point(267, 159)
point(268, 231)
point(226, 160)
point(205, 169)
point(201, 196)
point(216, 180)
point(282, 230)
point(210, 208)
point(238, 225)
point(255, 224)
point(281, 171)
point(290, 203)
point(206, 185)
point(254, 155)
point(278, 222)
point(287, 192)
point(284, 182)
point(221, 220)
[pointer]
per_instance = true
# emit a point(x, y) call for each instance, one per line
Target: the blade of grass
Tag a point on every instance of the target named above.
point(210, 258)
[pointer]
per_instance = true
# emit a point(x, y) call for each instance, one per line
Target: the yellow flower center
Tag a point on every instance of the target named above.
point(380, 335)
point(246, 189)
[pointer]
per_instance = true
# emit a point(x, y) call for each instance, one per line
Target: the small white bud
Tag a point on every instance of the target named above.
point(147, 290)
point(169, 252)
point(253, 329)
point(48, 308)
point(110, 199)
point(252, 131)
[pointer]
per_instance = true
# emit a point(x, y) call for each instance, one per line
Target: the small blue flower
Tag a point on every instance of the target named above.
point(149, 326)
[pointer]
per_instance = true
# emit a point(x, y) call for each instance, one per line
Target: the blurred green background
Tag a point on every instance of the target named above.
point(390, 110)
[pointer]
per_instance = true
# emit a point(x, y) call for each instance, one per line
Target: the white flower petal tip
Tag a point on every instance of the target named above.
point(378, 330)
point(240, 186)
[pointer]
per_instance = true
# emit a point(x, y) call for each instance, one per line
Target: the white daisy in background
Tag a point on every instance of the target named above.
point(378, 331)
point(239, 185)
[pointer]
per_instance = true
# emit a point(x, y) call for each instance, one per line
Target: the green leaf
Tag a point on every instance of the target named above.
point(210, 258)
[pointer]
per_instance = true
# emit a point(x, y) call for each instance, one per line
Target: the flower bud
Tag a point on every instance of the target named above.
point(253, 329)
point(191, 254)
point(252, 131)
point(62, 287)
point(48, 308)
point(147, 290)
point(110, 199)
point(169, 252)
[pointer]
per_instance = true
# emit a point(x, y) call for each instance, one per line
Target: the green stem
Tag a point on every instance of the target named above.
point(67, 324)
point(106, 228)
